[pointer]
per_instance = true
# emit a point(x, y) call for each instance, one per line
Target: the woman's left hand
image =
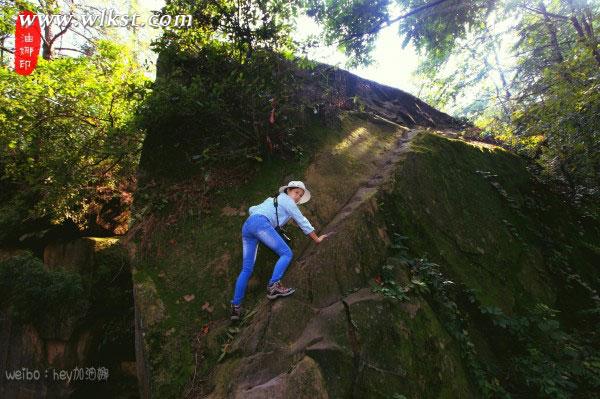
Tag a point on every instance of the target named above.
point(322, 237)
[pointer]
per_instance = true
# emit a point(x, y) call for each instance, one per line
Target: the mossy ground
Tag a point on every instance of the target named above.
point(201, 255)
point(475, 210)
point(494, 229)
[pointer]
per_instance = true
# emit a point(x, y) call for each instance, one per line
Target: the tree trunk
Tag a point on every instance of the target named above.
point(46, 43)
point(590, 41)
point(552, 33)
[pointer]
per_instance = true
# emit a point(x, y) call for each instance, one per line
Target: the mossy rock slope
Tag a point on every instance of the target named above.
point(472, 208)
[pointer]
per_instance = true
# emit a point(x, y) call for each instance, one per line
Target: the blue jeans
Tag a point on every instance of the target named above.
point(258, 228)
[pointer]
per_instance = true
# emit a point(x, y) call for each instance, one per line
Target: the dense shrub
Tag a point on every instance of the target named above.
point(32, 293)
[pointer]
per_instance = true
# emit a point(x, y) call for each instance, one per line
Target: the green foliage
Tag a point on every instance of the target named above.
point(7, 10)
point(437, 29)
point(67, 128)
point(548, 361)
point(61, 302)
point(428, 280)
point(217, 107)
point(554, 363)
point(35, 294)
point(433, 27)
point(245, 25)
point(528, 74)
point(568, 120)
point(386, 281)
point(390, 288)
point(347, 24)
point(10, 8)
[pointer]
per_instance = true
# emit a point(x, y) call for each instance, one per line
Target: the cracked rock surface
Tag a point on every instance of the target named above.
point(322, 342)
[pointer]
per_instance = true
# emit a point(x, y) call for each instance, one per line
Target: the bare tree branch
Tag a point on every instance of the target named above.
point(71, 49)
point(545, 12)
point(6, 49)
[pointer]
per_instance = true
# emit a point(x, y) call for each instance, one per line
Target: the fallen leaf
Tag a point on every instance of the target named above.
point(170, 331)
point(229, 211)
point(189, 297)
point(207, 307)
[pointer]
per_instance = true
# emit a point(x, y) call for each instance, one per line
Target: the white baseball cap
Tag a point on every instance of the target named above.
point(297, 183)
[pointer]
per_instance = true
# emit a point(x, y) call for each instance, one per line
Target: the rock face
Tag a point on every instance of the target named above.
point(321, 91)
point(382, 101)
point(349, 341)
point(50, 344)
point(472, 208)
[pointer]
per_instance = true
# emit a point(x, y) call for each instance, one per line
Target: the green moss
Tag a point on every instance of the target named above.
point(227, 369)
point(337, 368)
point(489, 232)
point(183, 258)
point(111, 312)
point(39, 296)
point(405, 349)
point(201, 257)
point(494, 230)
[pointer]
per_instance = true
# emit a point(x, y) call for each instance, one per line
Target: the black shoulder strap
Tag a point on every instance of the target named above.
point(275, 203)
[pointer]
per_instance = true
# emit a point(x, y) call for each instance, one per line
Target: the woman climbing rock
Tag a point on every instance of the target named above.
point(261, 226)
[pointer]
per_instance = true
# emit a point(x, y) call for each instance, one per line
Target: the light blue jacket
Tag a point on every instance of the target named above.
point(286, 209)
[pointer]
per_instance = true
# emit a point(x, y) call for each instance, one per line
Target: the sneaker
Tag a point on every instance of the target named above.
point(236, 312)
point(276, 289)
